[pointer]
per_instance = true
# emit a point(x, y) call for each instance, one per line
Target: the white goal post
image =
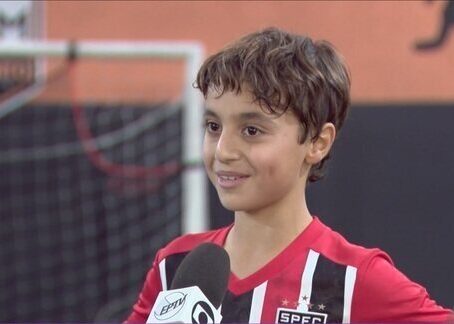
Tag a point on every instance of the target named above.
point(194, 191)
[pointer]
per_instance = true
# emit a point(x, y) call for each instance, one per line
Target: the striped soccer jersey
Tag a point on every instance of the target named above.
point(318, 278)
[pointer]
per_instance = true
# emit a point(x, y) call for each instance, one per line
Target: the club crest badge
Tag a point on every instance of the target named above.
point(287, 315)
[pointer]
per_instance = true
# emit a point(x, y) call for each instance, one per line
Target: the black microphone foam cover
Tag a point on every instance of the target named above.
point(207, 267)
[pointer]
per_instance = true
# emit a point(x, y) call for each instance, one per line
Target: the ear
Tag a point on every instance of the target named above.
point(320, 147)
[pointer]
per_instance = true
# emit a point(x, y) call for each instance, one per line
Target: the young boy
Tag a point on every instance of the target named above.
point(274, 103)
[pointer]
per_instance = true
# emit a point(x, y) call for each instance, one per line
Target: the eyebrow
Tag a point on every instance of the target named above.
point(245, 116)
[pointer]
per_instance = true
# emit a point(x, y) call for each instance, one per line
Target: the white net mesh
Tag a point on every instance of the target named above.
point(79, 228)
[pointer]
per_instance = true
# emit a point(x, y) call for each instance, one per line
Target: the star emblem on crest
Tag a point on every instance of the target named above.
point(321, 307)
point(285, 302)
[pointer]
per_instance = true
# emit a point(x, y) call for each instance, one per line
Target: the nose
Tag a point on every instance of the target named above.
point(227, 148)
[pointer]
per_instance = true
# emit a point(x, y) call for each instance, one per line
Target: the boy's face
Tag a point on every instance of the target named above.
point(252, 158)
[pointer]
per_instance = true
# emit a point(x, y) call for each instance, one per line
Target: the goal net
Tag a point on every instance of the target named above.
point(100, 166)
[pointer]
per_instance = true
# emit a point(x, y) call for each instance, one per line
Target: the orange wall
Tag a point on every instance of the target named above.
point(377, 39)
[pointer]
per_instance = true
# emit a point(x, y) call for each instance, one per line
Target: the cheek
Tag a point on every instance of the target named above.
point(280, 166)
point(269, 168)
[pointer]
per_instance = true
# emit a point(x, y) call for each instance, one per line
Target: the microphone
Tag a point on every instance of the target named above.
point(197, 289)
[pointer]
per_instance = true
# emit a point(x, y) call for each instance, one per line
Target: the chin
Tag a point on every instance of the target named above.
point(232, 204)
point(238, 204)
point(229, 205)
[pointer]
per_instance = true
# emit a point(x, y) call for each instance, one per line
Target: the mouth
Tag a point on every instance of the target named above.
point(228, 181)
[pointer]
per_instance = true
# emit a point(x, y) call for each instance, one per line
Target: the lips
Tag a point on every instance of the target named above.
point(228, 180)
point(230, 174)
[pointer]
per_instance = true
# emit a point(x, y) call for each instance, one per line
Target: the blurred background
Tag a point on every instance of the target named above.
point(92, 148)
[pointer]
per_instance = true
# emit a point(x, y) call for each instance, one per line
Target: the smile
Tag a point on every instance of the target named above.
point(228, 182)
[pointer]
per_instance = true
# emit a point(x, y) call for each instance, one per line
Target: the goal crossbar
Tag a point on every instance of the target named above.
point(101, 49)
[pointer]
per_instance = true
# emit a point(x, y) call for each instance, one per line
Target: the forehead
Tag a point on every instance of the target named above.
point(242, 106)
point(232, 103)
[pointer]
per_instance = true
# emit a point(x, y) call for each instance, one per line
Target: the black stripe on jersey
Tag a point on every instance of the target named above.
point(328, 289)
point(172, 263)
point(236, 309)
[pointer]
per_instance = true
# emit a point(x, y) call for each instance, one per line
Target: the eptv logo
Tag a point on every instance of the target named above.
point(170, 306)
point(285, 315)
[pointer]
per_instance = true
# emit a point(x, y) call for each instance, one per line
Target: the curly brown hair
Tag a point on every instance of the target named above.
point(284, 71)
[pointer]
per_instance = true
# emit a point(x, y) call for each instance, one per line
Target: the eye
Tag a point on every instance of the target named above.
point(251, 131)
point(212, 127)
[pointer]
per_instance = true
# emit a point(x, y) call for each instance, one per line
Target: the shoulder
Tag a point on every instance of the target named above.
point(380, 292)
point(386, 294)
point(187, 242)
point(160, 275)
point(333, 246)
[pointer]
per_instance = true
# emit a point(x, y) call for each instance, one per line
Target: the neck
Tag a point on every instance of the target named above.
point(270, 229)
point(258, 237)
